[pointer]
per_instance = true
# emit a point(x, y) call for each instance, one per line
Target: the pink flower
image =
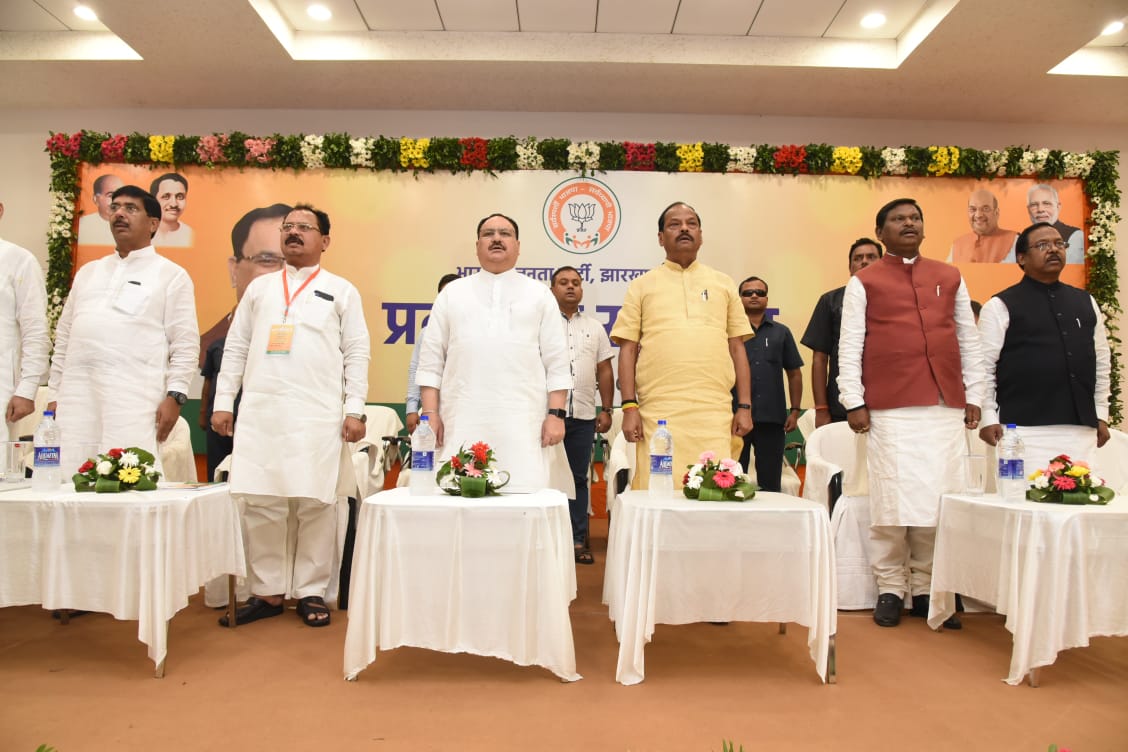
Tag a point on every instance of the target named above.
point(1082, 463)
point(1064, 483)
point(707, 457)
point(473, 472)
point(258, 149)
point(730, 464)
point(1056, 467)
point(211, 148)
point(723, 479)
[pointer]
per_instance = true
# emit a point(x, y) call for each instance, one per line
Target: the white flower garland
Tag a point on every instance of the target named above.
point(1077, 165)
point(1032, 161)
point(742, 159)
point(894, 161)
point(528, 158)
point(1102, 234)
point(583, 156)
point(360, 152)
point(313, 154)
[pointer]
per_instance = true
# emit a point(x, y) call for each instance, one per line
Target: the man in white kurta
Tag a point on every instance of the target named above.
point(299, 348)
point(911, 378)
point(24, 344)
point(494, 362)
point(127, 341)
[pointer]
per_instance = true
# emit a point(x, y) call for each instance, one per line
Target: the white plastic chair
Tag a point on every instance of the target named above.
point(372, 456)
point(178, 462)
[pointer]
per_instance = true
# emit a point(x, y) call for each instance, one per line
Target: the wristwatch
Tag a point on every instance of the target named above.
point(180, 397)
point(557, 412)
point(362, 417)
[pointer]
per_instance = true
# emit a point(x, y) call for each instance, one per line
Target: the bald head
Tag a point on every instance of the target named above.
point(983, 212)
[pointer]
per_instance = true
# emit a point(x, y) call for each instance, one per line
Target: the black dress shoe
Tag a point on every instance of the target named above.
point(920, 607)
point(887, 613)
point(254, 609)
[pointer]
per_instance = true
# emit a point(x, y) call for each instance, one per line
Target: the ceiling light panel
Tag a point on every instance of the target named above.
point(60, 11)
point(898, 15)
point(346, 17)
point(789, 18)
point(478, 15)
point(626, 17)
point(27, 17)
point(715, 17)
point(1116, 39)
point(396, 15)
point(552, 15)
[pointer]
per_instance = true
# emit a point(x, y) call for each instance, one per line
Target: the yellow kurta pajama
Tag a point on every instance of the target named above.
point(682, 320)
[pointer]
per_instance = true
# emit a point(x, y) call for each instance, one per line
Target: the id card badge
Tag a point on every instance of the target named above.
point(281, 338)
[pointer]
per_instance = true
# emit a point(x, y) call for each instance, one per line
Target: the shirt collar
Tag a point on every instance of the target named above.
point(302, 273)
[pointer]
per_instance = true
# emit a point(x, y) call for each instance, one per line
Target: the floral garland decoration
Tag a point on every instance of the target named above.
point(1098, 170)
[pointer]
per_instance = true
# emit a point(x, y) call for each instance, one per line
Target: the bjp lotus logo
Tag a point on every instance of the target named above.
point(581, 215)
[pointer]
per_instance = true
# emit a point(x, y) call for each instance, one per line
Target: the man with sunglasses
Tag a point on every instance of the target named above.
point(1047, 357)
point(771, 354)
point(257, 250)
point(299, 348)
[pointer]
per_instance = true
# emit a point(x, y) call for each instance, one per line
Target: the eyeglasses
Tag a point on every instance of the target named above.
point(1044, 245)
point(265, 260)
point(750, 293)
point(129, 209)
point(299, 226)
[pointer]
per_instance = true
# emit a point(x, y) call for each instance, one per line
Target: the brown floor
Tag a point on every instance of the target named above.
point(277, 685)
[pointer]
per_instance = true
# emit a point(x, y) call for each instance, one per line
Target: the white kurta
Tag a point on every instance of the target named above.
point(494, 348)
point(24, 344)
point(915, 454)
point(126, 337)
point(288, 436)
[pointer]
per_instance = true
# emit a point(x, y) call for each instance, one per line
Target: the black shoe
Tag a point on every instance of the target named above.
point(887, 613)
point(254, 609)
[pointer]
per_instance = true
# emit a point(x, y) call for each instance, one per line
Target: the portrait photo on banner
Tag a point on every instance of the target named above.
point(395, 234)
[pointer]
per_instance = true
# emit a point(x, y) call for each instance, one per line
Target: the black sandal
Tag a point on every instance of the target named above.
point(254, 609)
point(583, 555)
point(313, 606)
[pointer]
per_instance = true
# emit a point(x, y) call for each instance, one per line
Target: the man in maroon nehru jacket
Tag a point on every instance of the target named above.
point(911, 379)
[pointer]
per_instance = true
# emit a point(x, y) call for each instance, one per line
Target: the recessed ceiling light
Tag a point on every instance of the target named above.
point(319, 12)
point(1113, 28)
point(873, 21)
point(85, 13)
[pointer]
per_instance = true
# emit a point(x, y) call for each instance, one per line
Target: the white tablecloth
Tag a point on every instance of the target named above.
point(1058, 572)
point(489, 576)
point(136, 555)
point(677, 561)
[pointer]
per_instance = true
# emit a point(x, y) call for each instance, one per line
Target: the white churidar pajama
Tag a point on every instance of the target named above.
point(494, 348)
point(24, 344)
point(288, 449)
point(127, 336)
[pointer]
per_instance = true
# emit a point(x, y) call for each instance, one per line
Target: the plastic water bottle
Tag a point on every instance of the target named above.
point(1012, 469)
point(661, 463)
point(48, 471)
point(422, 481)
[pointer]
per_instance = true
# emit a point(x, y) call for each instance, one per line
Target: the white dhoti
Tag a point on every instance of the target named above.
point(915, 455)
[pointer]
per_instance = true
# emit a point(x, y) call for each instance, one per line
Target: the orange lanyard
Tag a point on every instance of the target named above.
point(286, 291)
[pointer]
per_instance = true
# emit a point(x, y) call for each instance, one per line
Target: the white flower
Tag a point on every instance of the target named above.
point(583, 156)
point(360, 152)
point(105, 467)
point(312, 154)
point(528, 158)
point(996, 162)
point(738, 494)
point(147, 469)
point(1077, 165)
point(1096, 481)
point(1094, 497)
point(894, 161)
point(1041, 482)
point(742, 159)
point(1033, 161)
point(696, 469)
point(129, 459)
point(694, 482)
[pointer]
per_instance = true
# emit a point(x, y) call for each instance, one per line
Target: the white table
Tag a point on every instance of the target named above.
point(677, 561)
point(1059, 573)
point(136, 555)
point(490, 576)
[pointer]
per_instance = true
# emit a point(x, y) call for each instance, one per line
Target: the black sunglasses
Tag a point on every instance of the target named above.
point(757, 293)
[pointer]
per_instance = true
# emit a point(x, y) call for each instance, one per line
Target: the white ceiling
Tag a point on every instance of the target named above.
point(979, 60)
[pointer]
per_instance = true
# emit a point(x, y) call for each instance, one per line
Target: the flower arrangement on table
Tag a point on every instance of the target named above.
point(1066, 481)
point(713, 480)
point(130, 469)
point(471, 473)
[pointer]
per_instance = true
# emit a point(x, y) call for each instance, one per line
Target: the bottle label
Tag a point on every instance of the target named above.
point(46, 456)
point(661, 464)
point(423, 460)
point(1012, 469)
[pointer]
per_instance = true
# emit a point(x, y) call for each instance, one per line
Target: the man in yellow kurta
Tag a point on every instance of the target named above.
point(681, 335)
